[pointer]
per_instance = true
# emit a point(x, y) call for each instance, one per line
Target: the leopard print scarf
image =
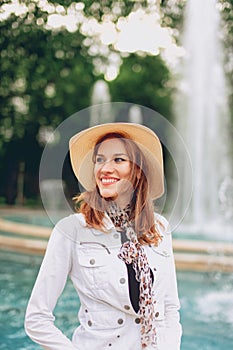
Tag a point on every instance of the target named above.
point(132, 252)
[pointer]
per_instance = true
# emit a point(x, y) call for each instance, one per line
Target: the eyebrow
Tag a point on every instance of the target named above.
point(114, 155)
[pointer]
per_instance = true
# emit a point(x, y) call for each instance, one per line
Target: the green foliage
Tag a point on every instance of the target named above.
point(98, 9)
point(45, 76)
point(143, 80)
point(48, 74)
point(173, 15)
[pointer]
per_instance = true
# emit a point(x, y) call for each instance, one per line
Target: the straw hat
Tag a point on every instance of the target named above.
point(82, 146)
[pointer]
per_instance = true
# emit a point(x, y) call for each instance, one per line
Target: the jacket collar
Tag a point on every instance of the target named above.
point(108, 224)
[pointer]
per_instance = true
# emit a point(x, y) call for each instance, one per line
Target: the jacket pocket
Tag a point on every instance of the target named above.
point(94, 267)
point(104, 319)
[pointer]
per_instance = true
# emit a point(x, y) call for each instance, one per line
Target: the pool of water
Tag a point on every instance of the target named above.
point(41, 219)
point(33, 219)
point(206, 306)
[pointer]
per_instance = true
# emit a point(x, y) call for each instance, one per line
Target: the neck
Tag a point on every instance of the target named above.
point(122, 203)
point(119, 205)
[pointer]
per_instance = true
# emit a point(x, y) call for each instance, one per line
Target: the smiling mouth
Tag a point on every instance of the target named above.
point(108, 181)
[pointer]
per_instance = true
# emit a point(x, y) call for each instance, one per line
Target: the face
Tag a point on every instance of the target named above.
point(112, 168)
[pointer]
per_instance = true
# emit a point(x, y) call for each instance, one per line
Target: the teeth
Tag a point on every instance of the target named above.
point(108, 181)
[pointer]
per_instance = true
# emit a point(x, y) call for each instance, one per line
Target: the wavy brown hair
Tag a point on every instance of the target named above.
point(93, 206)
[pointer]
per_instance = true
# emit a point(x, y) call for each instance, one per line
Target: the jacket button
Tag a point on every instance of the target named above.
point(120, 321)
point(157, 314)
point(122, 280)
point(92, 261)
point(116, 235)
point(126, 307)
point(137, 320)
point(89, 323)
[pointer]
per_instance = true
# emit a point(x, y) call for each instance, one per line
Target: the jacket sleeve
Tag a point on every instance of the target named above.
point(50, 282)
point(173, 331)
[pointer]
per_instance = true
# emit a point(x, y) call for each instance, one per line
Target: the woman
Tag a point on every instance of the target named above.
point(116, 250)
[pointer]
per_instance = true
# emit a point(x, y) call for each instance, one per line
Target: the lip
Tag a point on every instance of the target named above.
point(107, 181)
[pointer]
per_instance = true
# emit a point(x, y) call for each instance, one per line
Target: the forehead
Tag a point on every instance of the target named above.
point(112, 146)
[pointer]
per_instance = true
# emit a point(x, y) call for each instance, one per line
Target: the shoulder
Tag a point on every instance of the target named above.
point(164, 228)
point(70, 225)
point(73, 219)
point(162, 224)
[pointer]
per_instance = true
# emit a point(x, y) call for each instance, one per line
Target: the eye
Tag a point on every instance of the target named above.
point(99, 160)
point(119, 159)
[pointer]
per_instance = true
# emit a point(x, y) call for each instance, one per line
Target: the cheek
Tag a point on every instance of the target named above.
point(95, 172)
point(126, 171)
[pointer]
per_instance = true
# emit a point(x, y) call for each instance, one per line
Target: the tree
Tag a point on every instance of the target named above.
point(48, 73)
point(45, 78)
point(143, 80)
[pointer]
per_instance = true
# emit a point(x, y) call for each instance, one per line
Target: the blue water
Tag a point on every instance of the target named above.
point(37, 219)
point(41, 219)
point(206, 306)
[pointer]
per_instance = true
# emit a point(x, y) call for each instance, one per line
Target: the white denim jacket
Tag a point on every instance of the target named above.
point(107, 319)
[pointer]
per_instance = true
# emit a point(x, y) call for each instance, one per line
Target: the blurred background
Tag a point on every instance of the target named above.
point(174, 57)
point(58, 57)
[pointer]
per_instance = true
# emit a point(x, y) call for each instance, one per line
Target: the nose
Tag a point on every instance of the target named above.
point(107, 166)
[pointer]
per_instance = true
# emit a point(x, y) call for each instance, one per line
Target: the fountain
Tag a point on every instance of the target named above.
point(135, 114)
point(100, 98)
point(51, 190)
point(202, 115)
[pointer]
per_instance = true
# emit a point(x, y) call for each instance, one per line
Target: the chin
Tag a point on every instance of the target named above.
point(108, 195)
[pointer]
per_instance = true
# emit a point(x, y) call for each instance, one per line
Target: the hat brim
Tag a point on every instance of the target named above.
point(82, 146)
